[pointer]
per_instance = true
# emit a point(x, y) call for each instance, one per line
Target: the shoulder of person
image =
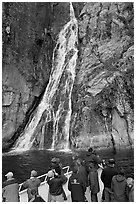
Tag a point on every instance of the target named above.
point(9, 182)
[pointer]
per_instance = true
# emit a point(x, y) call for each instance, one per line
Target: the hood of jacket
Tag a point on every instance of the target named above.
point(119, 178)
point(33, 179)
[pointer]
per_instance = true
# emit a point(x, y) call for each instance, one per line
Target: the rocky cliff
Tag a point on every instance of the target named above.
point(102, 98)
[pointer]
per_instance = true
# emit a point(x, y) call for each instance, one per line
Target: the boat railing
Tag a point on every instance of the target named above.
point(43, 178)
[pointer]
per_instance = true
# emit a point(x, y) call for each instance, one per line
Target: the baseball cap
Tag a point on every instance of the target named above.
point(9, 174)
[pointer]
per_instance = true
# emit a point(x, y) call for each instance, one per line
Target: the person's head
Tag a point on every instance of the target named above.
point(78, 162)
point(121, 172)
point(104, 162)
point(75, 169)
point(91, 164)
point(33, 173)
point(111, 162)
point(130, 182)
point(55, 160)
point(50, 174)
point(9, 175)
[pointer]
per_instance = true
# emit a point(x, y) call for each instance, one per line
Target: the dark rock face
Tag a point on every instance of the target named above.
point(102, 98)
point(29, 34)
point(103, 94)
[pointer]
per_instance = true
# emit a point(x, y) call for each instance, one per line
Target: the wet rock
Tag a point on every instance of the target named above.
point(104, 69)
point(103, 93)
point(30, 31)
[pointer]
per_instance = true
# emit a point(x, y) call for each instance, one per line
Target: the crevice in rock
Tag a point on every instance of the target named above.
point(113, 143)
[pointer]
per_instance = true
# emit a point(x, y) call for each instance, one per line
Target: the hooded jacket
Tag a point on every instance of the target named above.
point(30, 184)
point(118, 186)
point(107, 175)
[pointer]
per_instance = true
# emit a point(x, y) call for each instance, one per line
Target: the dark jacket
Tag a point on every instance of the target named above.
point(82, 172)
point(10, 191)
point(118, 186)
point(57, 168)
point(92, 157)
point(77, 188)
point(107, 175)
point(30, 184)
point(94, 181)
point(56, 183)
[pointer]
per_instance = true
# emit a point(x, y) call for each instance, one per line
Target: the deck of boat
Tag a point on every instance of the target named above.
point(43, 190)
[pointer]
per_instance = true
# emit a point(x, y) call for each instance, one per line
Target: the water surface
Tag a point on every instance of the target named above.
point(40, 160)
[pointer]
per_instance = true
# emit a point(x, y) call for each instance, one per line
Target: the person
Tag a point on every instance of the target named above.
point(55, 182)
point(106, 177)
point(10, 189)
point(92, 156)
point(104, 164)
point(82, 171)
point(32, 183)
point(35, 197)
point(93, 182)
point(130, 189)
point(55, 164)
point(76, 186)
point(119, 186)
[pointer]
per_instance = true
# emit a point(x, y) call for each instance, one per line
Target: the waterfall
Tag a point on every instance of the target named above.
point(55, 106)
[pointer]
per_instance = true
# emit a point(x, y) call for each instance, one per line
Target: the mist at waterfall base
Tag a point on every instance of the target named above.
point(40, 160)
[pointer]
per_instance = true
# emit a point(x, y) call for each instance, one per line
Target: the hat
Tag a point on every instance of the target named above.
point(33, 173)
point(111, 161)
point(9, 174)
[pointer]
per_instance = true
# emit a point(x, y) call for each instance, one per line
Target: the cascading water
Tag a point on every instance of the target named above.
point(55, 106)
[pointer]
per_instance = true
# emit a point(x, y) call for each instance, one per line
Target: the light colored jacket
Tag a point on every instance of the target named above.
point(10, 191)
point(32, 183)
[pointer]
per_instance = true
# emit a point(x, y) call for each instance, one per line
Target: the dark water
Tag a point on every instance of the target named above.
point(21, 164)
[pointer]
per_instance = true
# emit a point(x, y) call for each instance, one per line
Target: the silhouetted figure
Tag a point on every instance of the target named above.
point(76, 186)
point(55, 164)
point(130, 189)
point(93, 182)
point(55, 182)
point(91, 156)
point(106, 178)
